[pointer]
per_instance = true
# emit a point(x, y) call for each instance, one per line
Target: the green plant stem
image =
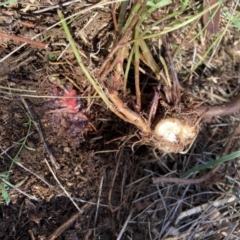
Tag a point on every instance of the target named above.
point(79, 60)
point(132, 15)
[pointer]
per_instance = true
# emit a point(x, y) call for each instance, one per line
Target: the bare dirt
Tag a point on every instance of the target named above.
point(98, 161)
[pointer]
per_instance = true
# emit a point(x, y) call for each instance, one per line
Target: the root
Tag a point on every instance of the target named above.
point(220, 110)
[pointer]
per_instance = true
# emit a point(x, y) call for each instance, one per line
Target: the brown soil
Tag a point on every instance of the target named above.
point(99, 161)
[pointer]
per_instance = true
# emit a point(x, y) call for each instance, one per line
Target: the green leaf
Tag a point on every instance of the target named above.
point(8, 2)
point(235, 192)
point(52, 57)
point(158, 4)
point(16, 159)
point(29, 148)
point(233, 19)
point(6, 196)
point(4, 175)
point(4, 193)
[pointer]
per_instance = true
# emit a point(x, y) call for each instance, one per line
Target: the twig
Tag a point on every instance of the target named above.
point(98, 202)
point(18, 189)
point(32, 25)
point(181, 181)
point(56, 6)
point(125, 225)
point(24, 40)
point(114, 7)
point(176, 84)
point(64, 190)
point(86, 9)
point(68, 223)
point(136, 71)
point(203, 207)
point(112, 185)
point(31, 113)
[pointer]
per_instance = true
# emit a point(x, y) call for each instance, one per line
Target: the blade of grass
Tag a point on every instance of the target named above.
point(213, 163)
point(149, 58)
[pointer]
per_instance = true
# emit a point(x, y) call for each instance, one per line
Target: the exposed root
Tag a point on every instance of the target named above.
point(220, 110)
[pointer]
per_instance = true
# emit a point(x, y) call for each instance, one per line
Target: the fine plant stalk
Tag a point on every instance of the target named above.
point(167, 78)
point(136, 74)
point(122, 15)
point(4, 186)
point(129, 61)
point(133, 13)
point(136, 53)
point(79, 60)
point(149, 58)
point(207, 51)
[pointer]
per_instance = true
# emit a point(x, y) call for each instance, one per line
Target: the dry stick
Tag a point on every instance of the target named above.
point(221, 110)
point(113, 9)
point(125, 225)
point(185, 181)
point(98, 202)
point(18, 189)
point(68, 223)
point(31, 113)
point(86, 9)
point(112, 185)
point(136, 74)
point(32, 25)
point(24, 40)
